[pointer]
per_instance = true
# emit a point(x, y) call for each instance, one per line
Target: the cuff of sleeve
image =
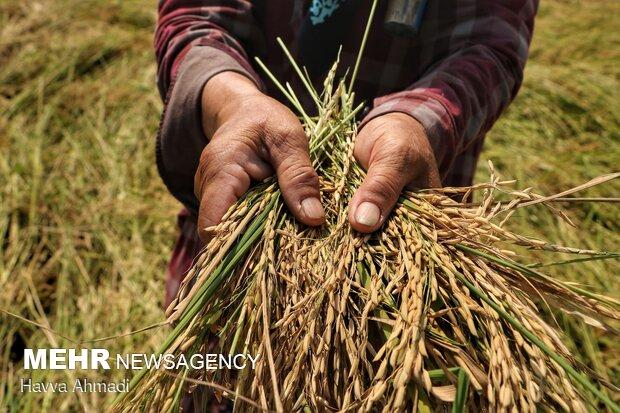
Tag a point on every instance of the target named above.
point(431, 113)
point(180, 138)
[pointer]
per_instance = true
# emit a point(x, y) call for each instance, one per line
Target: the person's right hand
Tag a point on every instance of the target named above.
point(251, 136)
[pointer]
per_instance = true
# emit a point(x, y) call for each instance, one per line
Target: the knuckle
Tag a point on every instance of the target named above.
point(285, 138)
point(236, 177)
point(299, 176)
point(385, 185)
point(206, 155)
point(213, 153)
point(206, 166)
point(220, 162)
point(219, 154)
point(397, 157)
point(280, 139)
point(252, 129)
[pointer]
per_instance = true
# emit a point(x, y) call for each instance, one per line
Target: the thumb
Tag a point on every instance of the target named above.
point(298, 180)
point(377, 195)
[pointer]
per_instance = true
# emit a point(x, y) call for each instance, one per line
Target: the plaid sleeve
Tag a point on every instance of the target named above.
point(478, 72)
point(224, 32)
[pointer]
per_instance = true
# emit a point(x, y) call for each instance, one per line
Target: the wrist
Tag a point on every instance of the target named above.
point(221, 97)
point(400, 120)
point(404, 123)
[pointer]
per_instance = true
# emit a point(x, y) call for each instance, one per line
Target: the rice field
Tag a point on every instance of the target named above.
point(87, 225)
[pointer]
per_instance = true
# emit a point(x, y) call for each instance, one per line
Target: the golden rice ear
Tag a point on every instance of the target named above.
point(428, 298)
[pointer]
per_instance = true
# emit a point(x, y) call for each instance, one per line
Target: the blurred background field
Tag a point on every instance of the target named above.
point(86, 226)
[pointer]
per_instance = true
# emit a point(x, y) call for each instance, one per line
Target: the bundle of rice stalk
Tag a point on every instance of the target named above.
point(432, 312)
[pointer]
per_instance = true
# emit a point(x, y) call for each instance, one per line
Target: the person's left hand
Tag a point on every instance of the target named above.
point(396, 153)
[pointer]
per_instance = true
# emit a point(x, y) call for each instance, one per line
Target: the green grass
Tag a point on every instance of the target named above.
point(563, 130)
point(87, 226)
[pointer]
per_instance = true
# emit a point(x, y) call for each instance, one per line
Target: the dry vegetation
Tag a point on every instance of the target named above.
point(87, 226)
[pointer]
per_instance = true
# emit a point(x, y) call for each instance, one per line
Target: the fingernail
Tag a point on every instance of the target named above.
point(367, 214)
point(312, 208)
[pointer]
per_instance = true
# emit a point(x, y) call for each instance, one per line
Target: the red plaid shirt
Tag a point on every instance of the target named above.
point(455, 76)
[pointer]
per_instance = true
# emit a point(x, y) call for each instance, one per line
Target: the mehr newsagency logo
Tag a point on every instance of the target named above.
point(100, 359)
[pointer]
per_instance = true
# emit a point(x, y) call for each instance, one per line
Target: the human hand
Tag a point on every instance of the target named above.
point(396, 153)
point(252, 135)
